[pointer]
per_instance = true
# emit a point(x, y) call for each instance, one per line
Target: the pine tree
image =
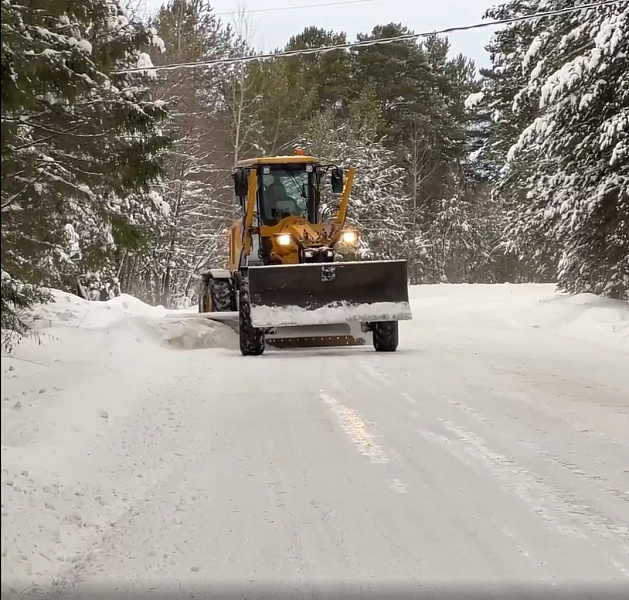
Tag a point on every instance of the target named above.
point(81, 141)
point(492, 106)
point(421, 93)
point(378, 203)
point(288, 92)
point(210, 127)
point(567, 170)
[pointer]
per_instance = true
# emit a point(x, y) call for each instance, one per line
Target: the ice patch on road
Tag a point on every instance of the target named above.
point(568, 515)
point(395, 485)
point(341, 312)
point(357, 431)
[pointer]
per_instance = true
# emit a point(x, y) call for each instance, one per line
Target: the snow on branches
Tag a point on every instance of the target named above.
point(80, 145)
point(567, 168)
point(379, 204)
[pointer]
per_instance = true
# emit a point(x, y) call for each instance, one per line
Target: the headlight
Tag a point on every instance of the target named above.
point(349, 237)
point(284, 239)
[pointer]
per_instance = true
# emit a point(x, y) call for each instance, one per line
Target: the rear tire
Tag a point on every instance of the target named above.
point(385, 336)
point(251, 338)
point(222, 295)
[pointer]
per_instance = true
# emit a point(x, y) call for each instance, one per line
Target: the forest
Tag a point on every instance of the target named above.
point(116, 174)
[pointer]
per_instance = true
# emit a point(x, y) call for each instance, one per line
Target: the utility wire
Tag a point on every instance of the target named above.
point(367, 43)
point(259, 10)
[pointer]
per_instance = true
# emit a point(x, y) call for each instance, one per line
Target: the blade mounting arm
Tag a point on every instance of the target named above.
point(251, 203)
point(347, 188)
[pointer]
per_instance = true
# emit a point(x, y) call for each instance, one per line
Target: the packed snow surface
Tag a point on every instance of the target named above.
point(142, 453)
point(341, 312)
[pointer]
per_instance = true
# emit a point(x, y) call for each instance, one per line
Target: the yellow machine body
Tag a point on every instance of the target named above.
point(287, 266)
point(299, 228)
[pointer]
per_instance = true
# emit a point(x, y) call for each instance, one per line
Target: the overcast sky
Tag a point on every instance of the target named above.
point(272, 29)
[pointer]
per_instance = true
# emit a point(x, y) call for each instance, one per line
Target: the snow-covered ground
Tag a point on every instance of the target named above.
point(142, 451)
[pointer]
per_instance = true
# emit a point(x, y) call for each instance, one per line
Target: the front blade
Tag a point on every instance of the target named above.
point(325, 341)
point(326, 293)
point(317, 336)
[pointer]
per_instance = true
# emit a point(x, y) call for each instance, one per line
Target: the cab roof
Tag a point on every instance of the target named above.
point(294, 159)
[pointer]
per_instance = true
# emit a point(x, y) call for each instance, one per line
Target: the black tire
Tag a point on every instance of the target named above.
point(385, 336)
point(222, 295)
point(251, 338)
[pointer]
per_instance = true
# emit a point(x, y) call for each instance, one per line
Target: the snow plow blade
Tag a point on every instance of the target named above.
point(323, 341)
point(328, 293)
point(317, 336)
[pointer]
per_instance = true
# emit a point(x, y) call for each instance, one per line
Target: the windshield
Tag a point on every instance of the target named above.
point(285, 193)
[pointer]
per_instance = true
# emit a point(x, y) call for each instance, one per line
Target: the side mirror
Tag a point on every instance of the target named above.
point(241, 181)
point(337, 180)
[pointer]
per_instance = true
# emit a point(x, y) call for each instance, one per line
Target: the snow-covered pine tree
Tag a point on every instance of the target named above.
point(197, 185)
point(494, 261)
point(285, 93)
point(567, 171)
point(491, 108)
point(81, 142)
point(378, 204)
point(454, 239)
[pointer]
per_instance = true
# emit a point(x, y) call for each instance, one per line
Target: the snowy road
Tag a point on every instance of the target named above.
point(491, 451)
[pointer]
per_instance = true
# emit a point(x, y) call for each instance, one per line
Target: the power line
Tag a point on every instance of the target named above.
point(259, 10)
point(375, 42)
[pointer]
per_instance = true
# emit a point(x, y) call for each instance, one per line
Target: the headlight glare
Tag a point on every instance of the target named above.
point(349, 237)
point(284, 239)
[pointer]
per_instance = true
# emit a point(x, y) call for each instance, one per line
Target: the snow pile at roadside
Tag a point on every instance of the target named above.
point(190, 333)
point(583, 316)
point(181, 330)
point(536, 307)
point(68, 309)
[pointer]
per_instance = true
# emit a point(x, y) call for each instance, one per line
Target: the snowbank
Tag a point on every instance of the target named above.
point(190, 333)
point(581, 316)
point(531, 306)
point(175, 329)
point(67, 402)
point(68, 309)
point(535, 307)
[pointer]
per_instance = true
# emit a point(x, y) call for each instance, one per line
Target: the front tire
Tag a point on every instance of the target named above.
point(385, 336)
point(251, 338)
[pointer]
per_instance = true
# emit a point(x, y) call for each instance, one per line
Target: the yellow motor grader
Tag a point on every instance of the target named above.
point(287, 282)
